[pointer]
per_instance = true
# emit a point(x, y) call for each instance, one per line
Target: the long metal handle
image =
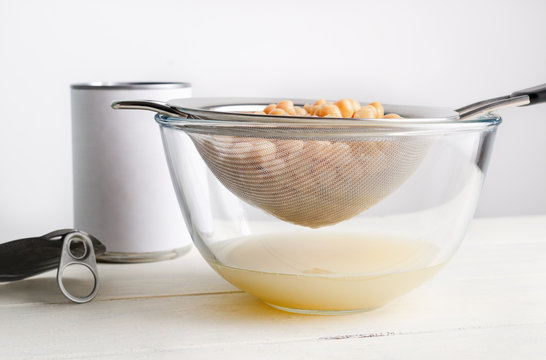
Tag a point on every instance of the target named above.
point(492, 104)
point(151, 105)
point(534, 95)
point(530, 96)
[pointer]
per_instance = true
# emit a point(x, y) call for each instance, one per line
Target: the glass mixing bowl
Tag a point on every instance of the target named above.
point(352, 265)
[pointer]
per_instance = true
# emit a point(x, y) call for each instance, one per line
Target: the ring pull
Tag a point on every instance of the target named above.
point(77, 249)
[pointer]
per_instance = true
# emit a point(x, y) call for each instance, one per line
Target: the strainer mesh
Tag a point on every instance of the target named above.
point(311, 182)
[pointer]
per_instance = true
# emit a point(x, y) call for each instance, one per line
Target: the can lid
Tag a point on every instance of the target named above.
point(112, 85)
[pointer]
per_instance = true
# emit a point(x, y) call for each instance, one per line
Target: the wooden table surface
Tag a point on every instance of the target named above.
point(488, 303)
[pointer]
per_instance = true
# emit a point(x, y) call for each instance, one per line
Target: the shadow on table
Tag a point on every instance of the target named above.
point(36, 290)
point(242, 308)
point(204, 298)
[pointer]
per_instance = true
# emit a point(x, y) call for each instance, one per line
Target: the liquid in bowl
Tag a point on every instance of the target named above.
point(325, 272)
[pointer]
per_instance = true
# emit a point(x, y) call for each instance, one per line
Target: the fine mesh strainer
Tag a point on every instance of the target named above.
point(312, 171)
point(312, 182)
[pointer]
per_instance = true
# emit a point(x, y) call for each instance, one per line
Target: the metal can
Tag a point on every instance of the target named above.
point(123, 194)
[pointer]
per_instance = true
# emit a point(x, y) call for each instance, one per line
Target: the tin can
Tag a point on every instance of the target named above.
point(123, 194)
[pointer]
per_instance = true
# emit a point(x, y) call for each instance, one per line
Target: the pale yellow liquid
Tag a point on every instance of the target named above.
point(325, 271)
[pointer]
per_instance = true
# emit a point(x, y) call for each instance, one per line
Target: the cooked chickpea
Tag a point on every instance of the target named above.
point(240, 150)
point(285, 147)
point(263, 150)
point(341, 152)
point(392, 116)
point(316, 146)
point(329, 110)
point(346, 108)
point(270, 108)
point(300, 111)
point(366, 112)
point(276, 166)
point(314, 110)
point(283, 104)
point(278, 112)
point(356, 105)
point(379, 108)
point(268, 171)
point(287, 106)
point(308, 108)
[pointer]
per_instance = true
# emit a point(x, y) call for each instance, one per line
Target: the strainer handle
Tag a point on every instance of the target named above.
point(530, 96)
point(151, 105)
point(537, 94)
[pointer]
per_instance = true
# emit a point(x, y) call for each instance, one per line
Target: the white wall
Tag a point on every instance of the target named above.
point(446, 53)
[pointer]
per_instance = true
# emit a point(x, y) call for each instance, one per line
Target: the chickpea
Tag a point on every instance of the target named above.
point(276, 166)
point(270, 108)
point(300, 111)
point(317, 149)
point(329, 110)
point(346, 108)
point(286, 147)
point(392, 116)
point(379, 108)
point(356, 105)
point(341, 154)
point(287, 106)
point(240, 150)
point(264, 151)
point(278, 112)
point(290, 150)
point(314, 110)
point(366, 112)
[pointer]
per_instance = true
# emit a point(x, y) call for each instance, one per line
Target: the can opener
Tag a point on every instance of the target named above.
point(59, 249)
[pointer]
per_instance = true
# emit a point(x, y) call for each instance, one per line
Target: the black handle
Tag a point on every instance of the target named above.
point(537, 94)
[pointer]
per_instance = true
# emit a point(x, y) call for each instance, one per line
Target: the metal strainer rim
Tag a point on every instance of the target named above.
point(201, 113)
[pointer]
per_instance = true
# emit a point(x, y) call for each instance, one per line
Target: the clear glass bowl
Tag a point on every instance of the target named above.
point(354, 265)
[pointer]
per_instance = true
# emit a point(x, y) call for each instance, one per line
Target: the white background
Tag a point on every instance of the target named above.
point(446, 53)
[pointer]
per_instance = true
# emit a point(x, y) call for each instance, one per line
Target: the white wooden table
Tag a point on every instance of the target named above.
point(488, 303)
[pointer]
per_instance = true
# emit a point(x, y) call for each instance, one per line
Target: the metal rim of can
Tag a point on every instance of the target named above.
point(113, 85)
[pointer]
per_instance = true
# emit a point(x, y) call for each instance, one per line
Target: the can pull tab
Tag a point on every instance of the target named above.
point(23, 258)
point(77, 249)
